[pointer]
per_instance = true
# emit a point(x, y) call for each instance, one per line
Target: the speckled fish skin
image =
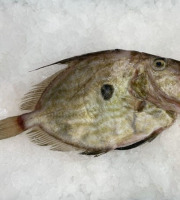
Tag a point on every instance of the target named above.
point(70, 106)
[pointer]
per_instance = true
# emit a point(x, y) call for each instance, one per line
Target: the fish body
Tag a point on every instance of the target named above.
point(102, 101)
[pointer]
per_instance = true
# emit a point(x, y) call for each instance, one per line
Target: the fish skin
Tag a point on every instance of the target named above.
point(69, 112)
point(79, 115)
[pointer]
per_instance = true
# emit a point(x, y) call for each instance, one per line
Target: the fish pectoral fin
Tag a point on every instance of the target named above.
point(42, 138)
point(93, 153)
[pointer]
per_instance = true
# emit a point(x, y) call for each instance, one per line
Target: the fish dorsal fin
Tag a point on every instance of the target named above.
point(75, 59)
point(89, 55)
point(79, 58)
point(31, 98)
point(42, 138)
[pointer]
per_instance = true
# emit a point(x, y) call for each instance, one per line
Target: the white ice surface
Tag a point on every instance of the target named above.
point(38, 32)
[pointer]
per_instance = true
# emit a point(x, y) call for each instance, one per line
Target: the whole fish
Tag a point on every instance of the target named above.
point(102, 101)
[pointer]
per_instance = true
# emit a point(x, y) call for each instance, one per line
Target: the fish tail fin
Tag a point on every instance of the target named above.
point(10, 127)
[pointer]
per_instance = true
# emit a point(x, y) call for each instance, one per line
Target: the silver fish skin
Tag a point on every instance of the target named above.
point(102, 101)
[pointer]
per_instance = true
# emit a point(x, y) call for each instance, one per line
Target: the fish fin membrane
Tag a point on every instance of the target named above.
point(42, 138)
point(10, 127)
point(82, 57)
point(31, 99)
point(87, 56)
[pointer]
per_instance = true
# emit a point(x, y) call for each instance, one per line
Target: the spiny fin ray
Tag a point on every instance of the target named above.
point(31, 98)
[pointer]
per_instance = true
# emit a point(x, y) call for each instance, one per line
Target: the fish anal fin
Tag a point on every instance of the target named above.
point(148, 139)
point(31, 99)
point(155, 134)
point(132, 146)
point(93, 153)
point(42, 138)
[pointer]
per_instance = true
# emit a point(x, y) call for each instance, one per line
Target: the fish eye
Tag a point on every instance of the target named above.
point(159, 64)
point(107, 91)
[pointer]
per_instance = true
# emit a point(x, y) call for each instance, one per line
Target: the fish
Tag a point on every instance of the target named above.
point(102, 101)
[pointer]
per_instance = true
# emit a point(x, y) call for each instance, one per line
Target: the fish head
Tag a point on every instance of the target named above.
point(160, 82)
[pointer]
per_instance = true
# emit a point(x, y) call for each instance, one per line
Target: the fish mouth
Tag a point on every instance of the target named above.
point(152, 93)
point(160, 98)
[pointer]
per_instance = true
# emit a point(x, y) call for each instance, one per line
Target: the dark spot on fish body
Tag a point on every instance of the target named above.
point(141, 106)
point(107, 91)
